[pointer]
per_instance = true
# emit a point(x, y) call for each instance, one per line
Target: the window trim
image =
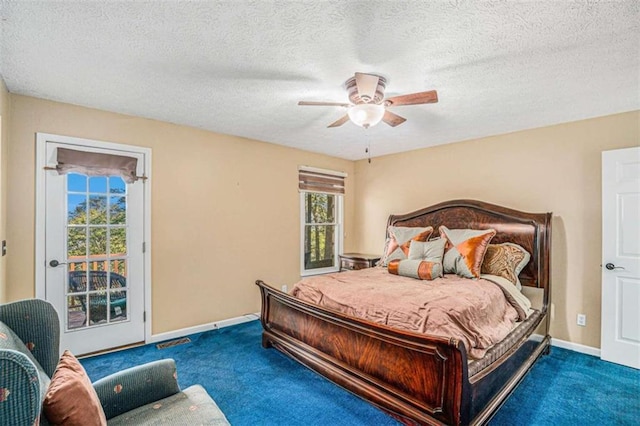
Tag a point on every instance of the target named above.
point(339, 240)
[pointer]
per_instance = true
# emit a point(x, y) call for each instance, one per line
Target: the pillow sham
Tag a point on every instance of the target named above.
point(399, 241)
point(71, 398)
point(431, 251)
point(506, 260)
point(465, 250)
point(420, 269)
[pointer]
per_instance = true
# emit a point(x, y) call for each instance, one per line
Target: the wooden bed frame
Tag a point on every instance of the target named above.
point(419, 379)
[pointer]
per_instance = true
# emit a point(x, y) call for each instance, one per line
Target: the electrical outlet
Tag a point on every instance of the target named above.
point(582, 320)
point(285, 288)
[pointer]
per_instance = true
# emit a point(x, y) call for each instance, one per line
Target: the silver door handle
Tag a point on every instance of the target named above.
point(55, 263)
point(611, 266)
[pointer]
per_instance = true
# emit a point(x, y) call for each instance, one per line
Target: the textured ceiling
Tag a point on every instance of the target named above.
point(239, 67)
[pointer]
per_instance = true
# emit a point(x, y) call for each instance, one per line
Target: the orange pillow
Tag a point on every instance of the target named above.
point(399, 240)
point(71, 399)
point(420, 269)
point(465, 250)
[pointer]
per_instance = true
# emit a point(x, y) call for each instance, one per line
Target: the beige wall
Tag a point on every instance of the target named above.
point(552, 169)
point(5, 101)
point(225, 210)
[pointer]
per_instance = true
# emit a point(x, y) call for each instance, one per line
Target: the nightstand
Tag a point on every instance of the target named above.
point(355, 261)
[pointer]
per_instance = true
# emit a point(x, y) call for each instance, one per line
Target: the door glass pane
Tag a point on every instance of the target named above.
point(76, 311)
point(97, 209)
point(77, 242)
point(119, 267)
point(97, 308)
point(118, 210)
point(77, 280)
point(77, 209)
point(76, 183)
point(118, 242)
point(117, 185)
point(98, 241)
point(97, 275)
point(118, 305)
point(98, 184)
point(116, 280)
point(77, 266)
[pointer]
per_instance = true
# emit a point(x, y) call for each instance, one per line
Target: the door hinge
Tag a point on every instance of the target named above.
point(144, 247)
point(144, 316)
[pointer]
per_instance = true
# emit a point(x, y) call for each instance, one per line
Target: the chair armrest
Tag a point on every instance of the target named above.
point(35, 322)
point(137, 386)
point(20, 392)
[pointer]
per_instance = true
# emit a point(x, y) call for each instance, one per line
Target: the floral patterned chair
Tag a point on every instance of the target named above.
point(147, 394)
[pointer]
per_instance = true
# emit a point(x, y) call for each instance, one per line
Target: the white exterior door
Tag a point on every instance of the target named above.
point(621, 257)
point(94, 254)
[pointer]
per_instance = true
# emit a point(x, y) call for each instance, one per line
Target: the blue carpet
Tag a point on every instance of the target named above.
point(256, 386)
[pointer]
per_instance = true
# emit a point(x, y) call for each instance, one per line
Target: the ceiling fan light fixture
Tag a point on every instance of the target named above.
point(366, 115)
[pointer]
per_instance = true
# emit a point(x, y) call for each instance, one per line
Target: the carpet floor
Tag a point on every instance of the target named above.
point(256, 386)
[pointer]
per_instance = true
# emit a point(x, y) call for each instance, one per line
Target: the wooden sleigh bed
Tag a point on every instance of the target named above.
point(421, 379)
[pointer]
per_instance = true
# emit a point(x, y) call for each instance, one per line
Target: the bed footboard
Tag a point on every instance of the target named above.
point(414, 378)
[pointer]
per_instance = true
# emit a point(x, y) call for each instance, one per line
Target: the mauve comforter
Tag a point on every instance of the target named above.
point(474, 311)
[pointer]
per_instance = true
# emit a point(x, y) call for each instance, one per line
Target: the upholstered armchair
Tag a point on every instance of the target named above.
point(29, 355)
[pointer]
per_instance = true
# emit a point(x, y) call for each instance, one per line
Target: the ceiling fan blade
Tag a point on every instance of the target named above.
point(339, 122)
point(367, 85)
point(430, 97)
point(314, 103)
point(392, 119)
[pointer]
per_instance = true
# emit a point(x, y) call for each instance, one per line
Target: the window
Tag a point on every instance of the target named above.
point(321, 220)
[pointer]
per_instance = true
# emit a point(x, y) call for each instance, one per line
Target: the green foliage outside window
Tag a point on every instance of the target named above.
point(320, 227)
point(102, 210)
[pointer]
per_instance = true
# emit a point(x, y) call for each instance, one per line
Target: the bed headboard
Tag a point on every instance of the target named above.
point(530, 230)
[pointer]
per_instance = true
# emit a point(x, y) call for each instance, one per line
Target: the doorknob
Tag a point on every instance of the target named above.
point(611, 266)
point(55, 263)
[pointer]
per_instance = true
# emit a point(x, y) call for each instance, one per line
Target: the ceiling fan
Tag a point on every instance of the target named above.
point(368, 106)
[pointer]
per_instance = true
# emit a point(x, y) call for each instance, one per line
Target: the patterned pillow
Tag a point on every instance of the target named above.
point(399, 241)
point(420, 269)
point(431, 251)
point(505, 260)
point(71, 399)
point(465, 250)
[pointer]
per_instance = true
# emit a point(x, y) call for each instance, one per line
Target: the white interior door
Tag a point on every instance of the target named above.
point(94, 260)
point(621, 257)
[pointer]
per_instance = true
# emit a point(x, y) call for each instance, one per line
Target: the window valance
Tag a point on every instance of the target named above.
point(311, 179)
point(96, 164)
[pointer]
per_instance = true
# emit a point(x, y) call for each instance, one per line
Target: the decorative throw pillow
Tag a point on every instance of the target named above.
point(420, 269)
point(465, 250)
point(431, 251)
point(399, 241)
point(505, 260)
point(71, 399)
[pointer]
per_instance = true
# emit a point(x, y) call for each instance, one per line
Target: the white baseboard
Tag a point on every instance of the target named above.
point(577, 347)
point(202, 328)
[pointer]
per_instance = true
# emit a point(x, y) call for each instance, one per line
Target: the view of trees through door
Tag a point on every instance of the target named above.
point(97, 250)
